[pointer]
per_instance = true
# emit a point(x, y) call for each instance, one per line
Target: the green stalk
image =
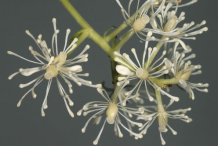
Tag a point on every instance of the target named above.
point(81, 38)
point(123, 41)
point(115, 32)
point(80, 20)
point(158, 46)
point(162, 82)
point(113, 65)
point(123, 26)
point(114, 97)
point(159, 101)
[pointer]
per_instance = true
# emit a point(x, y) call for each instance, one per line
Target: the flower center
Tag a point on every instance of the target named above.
point(142, 73)
point(170, 24)
point(111, 113)
point(52, 70)
point(140, 23)
point(184, 74)
point(162, 121)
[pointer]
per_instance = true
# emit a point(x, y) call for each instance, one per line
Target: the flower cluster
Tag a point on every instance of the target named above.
point(54, 63)
point(139, 81)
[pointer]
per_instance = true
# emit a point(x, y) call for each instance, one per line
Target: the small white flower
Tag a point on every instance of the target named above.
point(162, 117)
point(163, 21)
point(183, 70)
point(166, 24)
point(143, 72)
point(113, 112)
point(177, 3)
point(141, 18)
point(54, 63)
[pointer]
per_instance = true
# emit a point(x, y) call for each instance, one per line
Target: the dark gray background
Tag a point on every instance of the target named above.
point(24, 126)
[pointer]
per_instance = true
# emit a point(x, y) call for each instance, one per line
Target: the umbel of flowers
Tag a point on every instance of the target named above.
point(140, 79)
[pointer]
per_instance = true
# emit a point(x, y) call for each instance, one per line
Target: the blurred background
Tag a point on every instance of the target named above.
point(24, 126)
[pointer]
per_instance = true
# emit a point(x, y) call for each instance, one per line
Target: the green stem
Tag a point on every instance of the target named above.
point(92, 33)
point(78, 33)
point(123, 41)
point(80, 20)
point(123, 26)
point(101, 42)
point(81, 38)
point(162, 82)
point(158, 46)
point(169, 81)
point(114, 97)
point(115, 32)
point(113, 65)
point(159, 101)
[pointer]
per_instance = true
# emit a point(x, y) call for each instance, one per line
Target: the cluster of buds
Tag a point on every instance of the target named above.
point(140, 81)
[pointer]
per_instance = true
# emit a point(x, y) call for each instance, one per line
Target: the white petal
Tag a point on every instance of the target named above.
point(122, 70)
point(30, 71)
point(76, 68)
point(183, 83)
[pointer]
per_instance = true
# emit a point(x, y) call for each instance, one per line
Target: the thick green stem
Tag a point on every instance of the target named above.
point(159, 102)
point(92, 33)
point(113, 65)
point(101, 42)
point(80, 20)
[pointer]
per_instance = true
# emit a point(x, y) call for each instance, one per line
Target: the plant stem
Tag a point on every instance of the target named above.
point(159, 101)
point(158, 46)
point(80, 20)
point(115, 32)
point(113, 65)
point(81, 38)
point(123, 41)
point(114, 97)
point(92, 33)
point(162, 82)
point(123, 26)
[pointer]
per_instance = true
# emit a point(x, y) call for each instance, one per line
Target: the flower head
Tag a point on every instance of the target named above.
point(176, 3)
point(166, 24)
point(141, 18)
point(162, 116)
point(54, 63)
point(163, 21)
point(113, 111)
point(142, 72)
point(183, 69)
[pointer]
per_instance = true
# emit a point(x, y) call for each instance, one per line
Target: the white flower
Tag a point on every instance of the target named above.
point(177, 3)
point(141, 18)
point(113, 112)
point(143, 72)
point(54, 63)
point(183, 70)
point(166, 24)
point(162, 116)
point(163, 21)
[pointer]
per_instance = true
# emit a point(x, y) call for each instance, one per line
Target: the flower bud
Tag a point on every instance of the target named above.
point(142, 73)
point(61, 58)
point(140, 23)
point(170, 24)
point(162, 121)
point(51, 72)
point(111, 113)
